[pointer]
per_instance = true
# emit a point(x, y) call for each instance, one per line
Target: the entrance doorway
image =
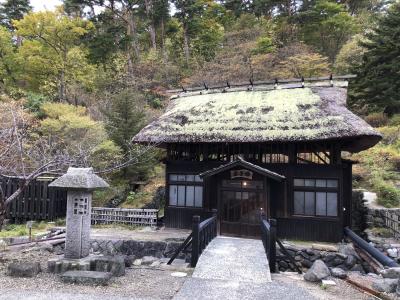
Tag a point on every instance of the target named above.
point(241, 202)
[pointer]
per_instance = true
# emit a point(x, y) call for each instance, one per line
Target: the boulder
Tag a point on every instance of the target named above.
point(23, 269)
point(386, 285)
point(338, 273)
point(350, 261)
point(86, 277)
point(393, 273)
point(317, 272)
point(393, 253)
point(148, 260)
point(323, 247)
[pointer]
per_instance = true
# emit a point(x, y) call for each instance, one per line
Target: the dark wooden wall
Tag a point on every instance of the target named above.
point(281, 199)
point(38, 202)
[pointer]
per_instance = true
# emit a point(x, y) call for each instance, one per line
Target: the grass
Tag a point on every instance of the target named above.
point(382, 232)
point(379, 167)
point(16, 230)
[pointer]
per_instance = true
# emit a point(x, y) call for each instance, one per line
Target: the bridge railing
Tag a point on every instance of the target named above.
point(203, 233)
point(268, 237)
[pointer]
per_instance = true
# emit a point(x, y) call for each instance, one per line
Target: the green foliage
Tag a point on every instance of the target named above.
point(326, 26)
point(13, 10)
point(135, 199)
point(377, 85)
point(264, 45)
point(34, 103)
point(349, 56)
point(388, 195)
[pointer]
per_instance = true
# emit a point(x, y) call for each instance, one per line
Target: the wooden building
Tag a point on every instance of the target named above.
point(274, 147)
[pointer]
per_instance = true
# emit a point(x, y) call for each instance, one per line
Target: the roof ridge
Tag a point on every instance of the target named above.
point(261, 87)
point(252, 83)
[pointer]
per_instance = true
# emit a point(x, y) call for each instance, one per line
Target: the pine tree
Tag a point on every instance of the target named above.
point(13, 10)
point(377, 86)
point(124, 119)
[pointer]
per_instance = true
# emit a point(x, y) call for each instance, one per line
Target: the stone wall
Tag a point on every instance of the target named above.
point(359, 213)
point(138, 249)
point(342, 256)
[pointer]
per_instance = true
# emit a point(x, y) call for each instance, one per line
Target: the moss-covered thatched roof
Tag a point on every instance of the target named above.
point(289, 114)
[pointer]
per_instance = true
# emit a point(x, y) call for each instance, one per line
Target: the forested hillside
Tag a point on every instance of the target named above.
point(84, 78)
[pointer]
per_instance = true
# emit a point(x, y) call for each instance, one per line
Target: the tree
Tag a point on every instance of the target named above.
point(51, 46)
point(13, 10)
point(7, 58)
point(66, 136)
point(377, 85)
point(303, 65)
point(124, 119)
point(326, 26)
point(349, 56)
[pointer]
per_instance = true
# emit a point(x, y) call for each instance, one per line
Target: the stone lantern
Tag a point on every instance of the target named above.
point(79, 183)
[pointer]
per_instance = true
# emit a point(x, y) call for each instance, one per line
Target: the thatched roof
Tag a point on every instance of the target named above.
point(288, 113)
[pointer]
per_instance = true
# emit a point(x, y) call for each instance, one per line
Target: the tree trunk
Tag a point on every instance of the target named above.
point(186, 43)
point(61, 92)
point(2, 210)
point(152, 29)
point(132, 34)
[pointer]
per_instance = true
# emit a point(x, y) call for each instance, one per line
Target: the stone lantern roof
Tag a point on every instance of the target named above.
point(79, 179)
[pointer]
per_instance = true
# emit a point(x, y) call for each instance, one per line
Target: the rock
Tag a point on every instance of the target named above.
point(23, 269)
point(357, 268)
point(137, 262)
point(155, 264)
point(148, 260)
point(391, 273)
point(339, 273)
point(350, 261)
point(348, 250)
point(398, 287)
point(317, 272)
point(129, 259)
point(46, 247)
point(87, 277)
point(113, 264)
point(306, 263)
point(393, 253)
point(386, 285)
point(322, 247)
point(329, 257)
point(3, 245)
point(283, 264)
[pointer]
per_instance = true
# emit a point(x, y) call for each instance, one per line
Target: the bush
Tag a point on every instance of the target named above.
point(388, 195)
point(395, 120)
point(377, 119)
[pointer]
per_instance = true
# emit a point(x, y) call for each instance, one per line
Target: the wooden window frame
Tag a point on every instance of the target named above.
point(186, 184)
point(316, 190)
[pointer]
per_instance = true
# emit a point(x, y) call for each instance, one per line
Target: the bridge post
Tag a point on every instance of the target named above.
point(215, 227)
point(195, 241)
point(272, 245)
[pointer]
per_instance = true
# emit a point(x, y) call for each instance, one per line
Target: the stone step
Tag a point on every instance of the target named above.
point(87, 277)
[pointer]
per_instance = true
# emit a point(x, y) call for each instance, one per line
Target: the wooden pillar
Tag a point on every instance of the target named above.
point(195, 241)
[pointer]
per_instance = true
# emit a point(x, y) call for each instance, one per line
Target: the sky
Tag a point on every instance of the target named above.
point(44, 4)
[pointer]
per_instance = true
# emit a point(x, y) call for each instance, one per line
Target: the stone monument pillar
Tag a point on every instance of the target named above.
point(79, 183)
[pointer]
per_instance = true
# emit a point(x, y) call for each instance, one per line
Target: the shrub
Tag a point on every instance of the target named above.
point(395, 120)
point(377, 119)
point(59, 222)
point(388, 195)
point(390, 134)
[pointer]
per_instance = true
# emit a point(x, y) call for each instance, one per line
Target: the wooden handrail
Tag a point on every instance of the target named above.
point(202, 234)
point(268, 237)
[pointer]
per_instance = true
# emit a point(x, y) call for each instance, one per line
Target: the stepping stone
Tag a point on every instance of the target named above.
point(23, 269)
point(87, 277)
point(178, 274)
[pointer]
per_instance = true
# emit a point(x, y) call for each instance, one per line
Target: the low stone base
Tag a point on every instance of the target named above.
point(23, 269)
point(113, 264)
point(86, 277)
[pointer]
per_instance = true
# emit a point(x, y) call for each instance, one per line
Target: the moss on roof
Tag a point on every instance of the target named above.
point(295, 114)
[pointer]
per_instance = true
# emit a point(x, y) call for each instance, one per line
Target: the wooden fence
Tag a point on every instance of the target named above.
point(136, 217)
point(36, 203)
point(392, 221)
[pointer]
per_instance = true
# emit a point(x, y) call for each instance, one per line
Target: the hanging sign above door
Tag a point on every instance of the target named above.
point(243, 173)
